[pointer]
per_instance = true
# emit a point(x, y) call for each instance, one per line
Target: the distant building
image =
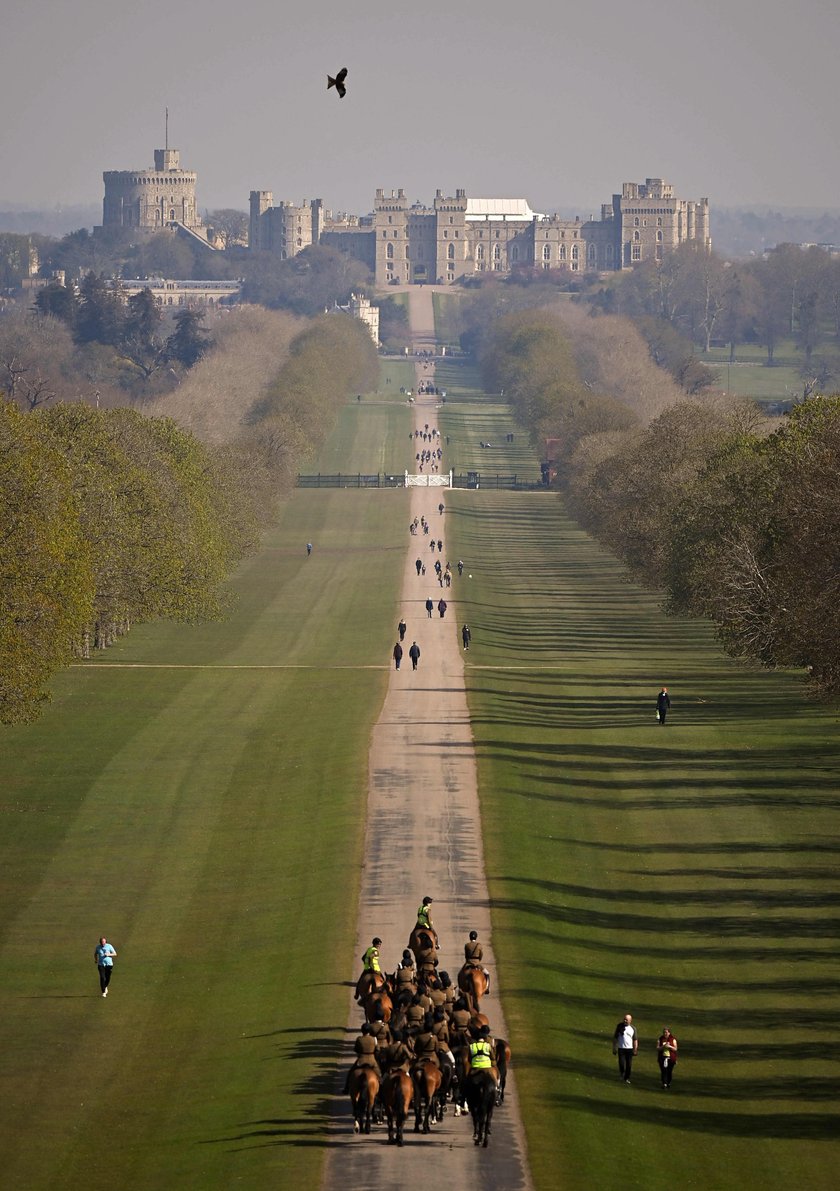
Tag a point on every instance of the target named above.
point(362, 308)
point(168, 292)
point(154, 199)
point(458, 237)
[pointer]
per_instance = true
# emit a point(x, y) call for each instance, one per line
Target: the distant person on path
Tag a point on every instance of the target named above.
point(104, 956)
point(429, 607)
point(442, 605)
point(440, 546)
point(398, 652)
point(663, 704)
point(625, 1045)
point(440, 508)
point(401, 629)
point(419, 565)
point(414, 654)
point(460, 566)
point(466, 636)
point(308, 548)
point(666, 1053)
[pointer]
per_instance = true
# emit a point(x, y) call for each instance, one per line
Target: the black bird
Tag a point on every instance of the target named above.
point(338, 82)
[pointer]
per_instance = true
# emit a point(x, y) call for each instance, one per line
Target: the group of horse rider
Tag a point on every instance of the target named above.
point(416, 1015)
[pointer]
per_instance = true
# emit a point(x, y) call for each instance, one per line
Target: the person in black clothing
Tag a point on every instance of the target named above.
point(398, 652)
point(414, 654)
point(419, 565)
point(429, 607)
point(466, 636)
point(401, 629)
point(663, 704)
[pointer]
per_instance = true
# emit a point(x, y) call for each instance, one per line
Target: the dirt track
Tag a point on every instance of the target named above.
point(423, 836)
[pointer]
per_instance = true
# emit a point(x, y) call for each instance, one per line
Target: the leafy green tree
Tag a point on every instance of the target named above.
point(101, 316)
point(59, 302)
point(189, 341)
point(46, 581)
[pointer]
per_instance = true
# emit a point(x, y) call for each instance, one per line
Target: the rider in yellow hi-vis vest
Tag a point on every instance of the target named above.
point(481, 1053)
point(424, 914)
point(370, 966)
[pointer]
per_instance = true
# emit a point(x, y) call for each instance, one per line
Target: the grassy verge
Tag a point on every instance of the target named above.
point(685, 874)
point(210, 822)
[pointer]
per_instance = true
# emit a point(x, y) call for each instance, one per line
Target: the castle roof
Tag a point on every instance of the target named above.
point(500, 209)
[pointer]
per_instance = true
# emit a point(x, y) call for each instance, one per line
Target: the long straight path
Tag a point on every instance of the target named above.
point(423, 836)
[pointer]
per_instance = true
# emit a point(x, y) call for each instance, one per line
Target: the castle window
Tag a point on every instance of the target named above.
point(659, 252)
point(659, 236)
point(574, 252)
point(446, 235)
point(514, 252)
point(451, 219)
point(636, 237)
point(407, 253)
point(562, 253)
point(450, 252)
point(636, 222)
point(497, 251)
point(659, 221)
point(390, 252)
point(390, 219)
point(497, 235)
point(384, 235)
point(546, 252)
point(479, 253)
point(456, 235)
point(172, 213)
point(636, 253)
point(591, 253)
point(498, 266)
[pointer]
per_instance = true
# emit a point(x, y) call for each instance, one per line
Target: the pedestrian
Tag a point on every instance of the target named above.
point(401, 629)
point(625, 1045)
point(308, 548)
point(104, 956)
point(440, 508)
point(666, 1053)
point(663, 704)
point(440, 546)
point(432, 545)
point(419, 565)
point(442, 607)
point(429, 607)
point(466, 636)
point(397, 655)
point(414, 654)
point(460, 566)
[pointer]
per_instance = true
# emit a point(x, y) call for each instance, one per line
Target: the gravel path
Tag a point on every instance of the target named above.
point(423, 836)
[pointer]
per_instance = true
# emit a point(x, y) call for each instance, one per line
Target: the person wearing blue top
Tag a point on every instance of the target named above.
point(104, 956)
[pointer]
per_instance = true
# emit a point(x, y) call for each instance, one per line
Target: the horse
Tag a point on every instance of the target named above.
point(426, 1078)
point(502, 1061)
point(481, 1098)
point(367, 983)
point(422, 939)
point(473, 984)
point(364, 1088)
point(380, 998)
point(397, 1095)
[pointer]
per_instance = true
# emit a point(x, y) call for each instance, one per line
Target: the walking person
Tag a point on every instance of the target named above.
point(414, 654)
point(398, 652)
point(430, 607)
point(663, 704)
point(442, 605)
point(440, 546)
point(419, 564)
point(460, 566)
point(466, 636)
point(666, 1054)
point(625, 1045)
point(308, 549)
point(104, 956)
point(401, 629)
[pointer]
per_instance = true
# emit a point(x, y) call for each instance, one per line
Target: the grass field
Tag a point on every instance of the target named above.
point(749, 376)
point(686, 874)
point(209, 820)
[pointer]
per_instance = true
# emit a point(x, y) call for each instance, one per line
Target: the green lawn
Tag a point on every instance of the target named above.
point(686, 874)
point(210, 822)
point(447, 326)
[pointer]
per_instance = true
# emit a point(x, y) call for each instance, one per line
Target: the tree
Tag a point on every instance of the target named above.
point(46, 581)
point(189, 341)
point(141, 344)
point(101, 315)
point(59, 302)
point(308, 283)
point(228, 226)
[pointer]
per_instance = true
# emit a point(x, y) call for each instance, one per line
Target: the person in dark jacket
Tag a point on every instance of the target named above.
point(663, 704)
point(466, 636)
point(414, 654)
point(401, 629)
point(398, 652)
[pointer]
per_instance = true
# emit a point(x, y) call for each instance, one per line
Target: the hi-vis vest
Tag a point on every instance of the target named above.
point(481, 1056)
point(371, 960)
point(423, 916)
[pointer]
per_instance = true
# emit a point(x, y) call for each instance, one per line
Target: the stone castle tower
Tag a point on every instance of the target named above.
point(152, 199)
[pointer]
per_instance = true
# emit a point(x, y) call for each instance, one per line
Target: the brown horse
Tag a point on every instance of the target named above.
point(473, 984)
point(380, 998)
point(364, 1088)
point(426, 1078)
point(481, 1098)
point(423, 939)
point(367, 983)
point(397, 1094)
point(502, 1062)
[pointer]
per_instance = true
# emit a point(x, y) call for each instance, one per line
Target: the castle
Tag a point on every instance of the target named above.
point(404, 244)
point(458, 237)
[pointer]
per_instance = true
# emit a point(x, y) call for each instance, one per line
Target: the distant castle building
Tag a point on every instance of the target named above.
point(458, 237)
point(163, 197)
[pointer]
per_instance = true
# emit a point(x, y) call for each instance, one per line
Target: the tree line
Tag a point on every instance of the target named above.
point(111, 518)
point(699, 499)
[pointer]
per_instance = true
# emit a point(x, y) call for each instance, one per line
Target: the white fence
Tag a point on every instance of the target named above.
point(428, 481)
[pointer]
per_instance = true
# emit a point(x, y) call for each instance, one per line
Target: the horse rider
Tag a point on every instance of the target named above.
point(473, 955)
point(370, 962)
point(406, 974)
point(415, 1015)
point(365, 1048)
point(426, 1044)
point(380, 1029)
point(460, 1022)
point(435, 993)
point(398, 1055)
point(449, 992)
point(424, 919)
point(481, 1054)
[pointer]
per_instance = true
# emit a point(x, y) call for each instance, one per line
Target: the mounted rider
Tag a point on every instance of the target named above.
point(371, 968)
point(473, 955)
point(406, 973)
point(424, 920)
point(399, 1055)
point(481, 1054)
point(366, 1054)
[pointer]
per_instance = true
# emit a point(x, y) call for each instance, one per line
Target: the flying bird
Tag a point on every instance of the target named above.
point(338, 82)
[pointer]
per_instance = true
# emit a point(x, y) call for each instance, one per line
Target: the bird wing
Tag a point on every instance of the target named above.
point(341, 89)
point(342, 75)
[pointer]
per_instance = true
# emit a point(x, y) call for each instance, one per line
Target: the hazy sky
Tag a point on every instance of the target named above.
point(558, 103)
